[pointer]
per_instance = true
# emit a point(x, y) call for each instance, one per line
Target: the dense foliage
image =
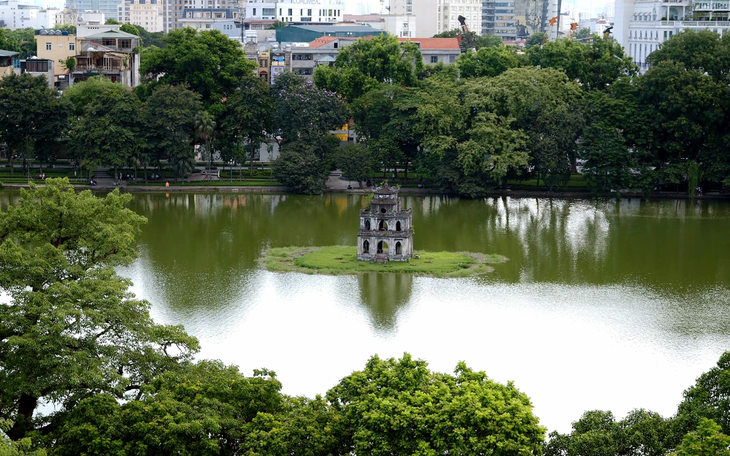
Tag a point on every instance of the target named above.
point(493, 118)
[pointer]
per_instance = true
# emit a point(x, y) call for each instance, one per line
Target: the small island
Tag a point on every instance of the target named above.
point(384, 244)
point(340, 260)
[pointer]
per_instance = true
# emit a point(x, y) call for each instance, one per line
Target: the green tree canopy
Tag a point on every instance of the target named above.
point(365, 64)
point(400, 407)
point(70, 328)
point(702, 50)
point(82, 94)
point(488, 61)
point(208, 62)
point(169, 118)
point(32, 117)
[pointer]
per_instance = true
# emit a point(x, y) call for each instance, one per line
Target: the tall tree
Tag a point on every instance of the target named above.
point(702, 50)
point(109, 131)
point(488, 61)
point(398, 406)
point(208, 62)
point(362, 66)
point(32, 117)
point(70, 328)
point(245, 121)
point(204, 129)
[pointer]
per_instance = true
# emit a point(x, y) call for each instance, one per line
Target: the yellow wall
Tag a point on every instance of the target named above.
point(60, 50)
point(6, 71)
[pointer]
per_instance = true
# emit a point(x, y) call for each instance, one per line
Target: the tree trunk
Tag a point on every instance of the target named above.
point(26, 406)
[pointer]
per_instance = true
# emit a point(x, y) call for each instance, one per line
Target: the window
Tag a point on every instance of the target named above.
point(48, 46)
point(71, 46)
point(434, 59)
point(290, 12)
point(254, 12)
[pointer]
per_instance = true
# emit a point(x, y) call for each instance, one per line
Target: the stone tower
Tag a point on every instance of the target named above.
point(385, 229)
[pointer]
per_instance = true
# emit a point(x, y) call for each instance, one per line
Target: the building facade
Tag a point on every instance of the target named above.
point(386, 230)
point(148, 14)
point(297, 11)
point(110, 54)
point(425, 11)
point(498, 19)
point(16, 15)
point(176, 9)
point(110, 8)
point(58, 47)
point(641, 26)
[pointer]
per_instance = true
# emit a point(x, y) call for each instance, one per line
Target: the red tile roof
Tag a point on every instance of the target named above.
point(434, 43)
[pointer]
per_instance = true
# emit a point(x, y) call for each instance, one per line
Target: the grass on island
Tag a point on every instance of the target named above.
point(338, 260)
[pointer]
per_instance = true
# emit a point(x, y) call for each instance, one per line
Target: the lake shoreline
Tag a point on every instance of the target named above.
point(404, 190)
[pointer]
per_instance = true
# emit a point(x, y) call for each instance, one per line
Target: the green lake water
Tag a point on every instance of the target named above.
point(603, 304)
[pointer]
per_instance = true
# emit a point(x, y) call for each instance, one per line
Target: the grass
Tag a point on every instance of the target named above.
point(339, 260)
point(213, 183)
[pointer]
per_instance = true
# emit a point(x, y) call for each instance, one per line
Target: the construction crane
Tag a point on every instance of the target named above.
point(464, 32)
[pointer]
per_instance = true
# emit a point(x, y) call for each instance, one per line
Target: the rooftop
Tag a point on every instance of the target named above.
point(111, 34)
point(433, 43)
point(7, 53)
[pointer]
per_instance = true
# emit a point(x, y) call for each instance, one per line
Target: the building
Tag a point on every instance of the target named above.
point(57, 46)
point(6, 62)
point(36, 68)
point(148, 14)
point(110, 8)
point(16, 15)
point(642, 26)
point(110, 54)
point(208, 18)
point(385, 232)
point(92, 23)
point(437, 50)
point(402, 26)
point(425, 11)
point(498, 19)
point(176, 11)
point(309, 33)
point(532, 16)
point(297, 11)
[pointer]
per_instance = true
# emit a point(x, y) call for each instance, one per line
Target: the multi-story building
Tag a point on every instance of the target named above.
point(175, 10)
point(297, 11)
point(207, 18)
point(6, 62)
point(533, 16)
point(148, 14)
point(17, 15)
point(402, 26)
point(641, 26)
point(498, 19)
point(57, 46)
point(425, 11)
point(110, 8)
point(36, 68)
point(110, 54)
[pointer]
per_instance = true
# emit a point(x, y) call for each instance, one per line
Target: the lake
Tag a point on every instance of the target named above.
point(610, 305)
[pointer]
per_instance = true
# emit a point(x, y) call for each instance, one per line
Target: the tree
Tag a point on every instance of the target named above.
point(702, 50)
point(32, 117)
point(208, 62)
point(400, 407)
point(536, 39)
point(70, 28)
point(303, 111)
point(470, 40)
point(201, 409)
point(584, 33)
point(20, 40)
point(169, 118)
point(708, 398)
point(356, 162)
point(488, 61)
point(362, 66)
point(204, 129)
point(305, 165)
point(245, 121)
point(707, 440)
point(680, 119)
point(597, 433)
point(277, 25)
point(83, 94)
point(70, 328)
point(108, 132)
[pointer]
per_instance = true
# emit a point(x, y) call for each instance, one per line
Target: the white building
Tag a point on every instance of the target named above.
point(16, 15)
point(321, 11)
point(148, 15)
point(437, 16)
point(92, 22)
point(642, 25)
point(402, 26)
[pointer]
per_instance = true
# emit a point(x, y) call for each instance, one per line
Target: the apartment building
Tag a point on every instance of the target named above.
point(297, 11)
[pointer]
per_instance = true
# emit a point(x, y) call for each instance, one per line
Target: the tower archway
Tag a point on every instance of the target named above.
point(366, 247)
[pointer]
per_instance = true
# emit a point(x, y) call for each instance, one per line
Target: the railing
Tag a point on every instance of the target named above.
point(703, 24)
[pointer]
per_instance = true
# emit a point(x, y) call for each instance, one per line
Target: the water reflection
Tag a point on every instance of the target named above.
point(384, 295)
